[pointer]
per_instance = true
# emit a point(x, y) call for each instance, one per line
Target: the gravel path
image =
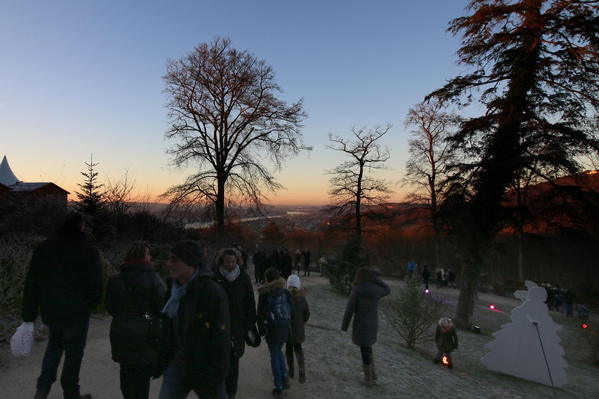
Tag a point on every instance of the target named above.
point(333, 363)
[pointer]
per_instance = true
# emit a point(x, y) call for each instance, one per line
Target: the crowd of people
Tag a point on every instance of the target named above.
point(443, 277)
point(192, 329)
point(280, 258)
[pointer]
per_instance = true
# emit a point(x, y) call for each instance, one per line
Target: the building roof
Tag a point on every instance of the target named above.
point(7, 177)
point(20, 186)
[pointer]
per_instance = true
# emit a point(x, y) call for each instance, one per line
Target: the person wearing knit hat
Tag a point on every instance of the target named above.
point(293, 281)
point(198, 313)
point(297, 334)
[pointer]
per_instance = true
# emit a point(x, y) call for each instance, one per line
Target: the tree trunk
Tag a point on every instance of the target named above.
point(220, 212)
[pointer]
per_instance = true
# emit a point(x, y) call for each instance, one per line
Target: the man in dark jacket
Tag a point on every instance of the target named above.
point(242, 307)
point(64, 283)
point(198, 310)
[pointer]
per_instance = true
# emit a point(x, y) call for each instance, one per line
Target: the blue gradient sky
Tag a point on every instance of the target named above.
point(82, 77)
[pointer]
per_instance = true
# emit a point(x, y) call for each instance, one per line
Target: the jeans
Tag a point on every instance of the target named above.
point(69, 337)
point(277, 363)
point(135, 381)
point(174, 385)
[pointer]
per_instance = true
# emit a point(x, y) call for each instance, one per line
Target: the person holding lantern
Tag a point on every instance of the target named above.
point(446, 340)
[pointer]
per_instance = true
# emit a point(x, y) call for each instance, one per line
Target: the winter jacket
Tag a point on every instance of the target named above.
point(275, 334)
point(300, 317)
point(447, 341)
point(204, 331)
point(136, 290)
point(363, 302)
point(242, 308)
point(64, 281)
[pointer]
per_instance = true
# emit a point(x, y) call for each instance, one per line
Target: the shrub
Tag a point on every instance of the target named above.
point(413, 311)
point(340, 269)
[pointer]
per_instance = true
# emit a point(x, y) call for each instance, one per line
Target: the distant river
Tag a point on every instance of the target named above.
point(201, 225)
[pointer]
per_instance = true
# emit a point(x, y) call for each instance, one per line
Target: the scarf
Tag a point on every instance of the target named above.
point(230, 276)
point(178, 291)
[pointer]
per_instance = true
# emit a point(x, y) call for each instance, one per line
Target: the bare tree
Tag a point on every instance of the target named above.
point(351, 184)
point(117, 196)
point(229, 124)
point(429, 156)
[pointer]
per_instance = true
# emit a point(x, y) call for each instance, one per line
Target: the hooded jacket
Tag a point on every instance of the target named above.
point(363, 303)
point(274, 334)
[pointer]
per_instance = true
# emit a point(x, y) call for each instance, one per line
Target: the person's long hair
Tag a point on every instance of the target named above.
point(363, 275)
point(137, 251)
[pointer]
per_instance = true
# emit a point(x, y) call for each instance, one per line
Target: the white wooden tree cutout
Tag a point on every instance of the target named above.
point(529, 347)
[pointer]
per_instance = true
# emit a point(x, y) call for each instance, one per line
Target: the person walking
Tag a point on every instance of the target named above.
point(275, 311)
point(198, 313)
point(363, 305)
point(133, 298)
point(426, 275)
point(297, 335)
point(242, 309)
point(306, 256)
point(63, 284)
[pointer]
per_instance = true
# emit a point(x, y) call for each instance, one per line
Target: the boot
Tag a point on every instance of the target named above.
point(40, 396)
point(368, 380)
point(301, 366)
point(290, 365)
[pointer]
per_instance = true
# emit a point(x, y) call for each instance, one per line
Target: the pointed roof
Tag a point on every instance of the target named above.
point(7, 177)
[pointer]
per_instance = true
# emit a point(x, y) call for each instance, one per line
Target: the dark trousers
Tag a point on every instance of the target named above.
point(135, 381)
point(232, 376)
point(366, 352)
point(306, 270)
point(70, 338)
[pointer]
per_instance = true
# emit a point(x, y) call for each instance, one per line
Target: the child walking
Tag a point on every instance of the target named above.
point(275, 312)
point(297, 334)
point(446, 340)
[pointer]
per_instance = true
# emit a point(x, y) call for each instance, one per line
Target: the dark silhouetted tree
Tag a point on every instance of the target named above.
point(230, 125)
point(535, 66)
point(90, 197)
point(352, 185)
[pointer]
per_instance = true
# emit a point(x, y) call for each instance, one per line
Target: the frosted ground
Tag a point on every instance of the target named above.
point(333, 363)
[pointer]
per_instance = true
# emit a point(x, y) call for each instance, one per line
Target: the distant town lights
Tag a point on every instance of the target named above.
point(492, 307)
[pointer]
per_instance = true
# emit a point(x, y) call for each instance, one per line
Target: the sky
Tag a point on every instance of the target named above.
point(85, 77)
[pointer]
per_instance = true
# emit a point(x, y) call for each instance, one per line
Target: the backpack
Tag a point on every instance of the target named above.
point(278, 310)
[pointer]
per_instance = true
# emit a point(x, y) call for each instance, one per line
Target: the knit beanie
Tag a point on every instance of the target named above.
point(293, 281)
point(190, 252)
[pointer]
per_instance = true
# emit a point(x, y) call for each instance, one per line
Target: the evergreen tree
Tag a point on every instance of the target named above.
point(90, 196)
point(535, 68)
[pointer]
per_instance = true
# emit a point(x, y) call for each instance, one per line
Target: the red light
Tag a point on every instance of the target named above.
point(492, 307)
point(584, 325)
point(445, 361)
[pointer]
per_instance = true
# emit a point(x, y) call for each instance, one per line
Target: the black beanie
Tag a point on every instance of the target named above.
point(190, 252)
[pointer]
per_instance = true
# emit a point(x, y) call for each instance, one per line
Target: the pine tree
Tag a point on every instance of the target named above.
point(535, 66)
point(90, 196)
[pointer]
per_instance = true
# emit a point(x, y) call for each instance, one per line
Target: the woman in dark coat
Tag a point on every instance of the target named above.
point(136, 291)
point(363, 302)
point(297, 334)
point(242, 309)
